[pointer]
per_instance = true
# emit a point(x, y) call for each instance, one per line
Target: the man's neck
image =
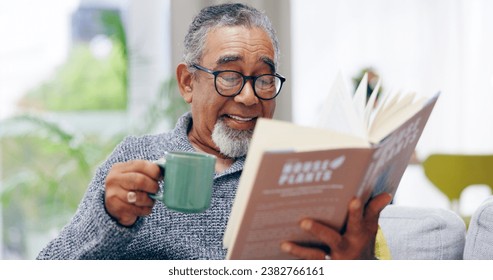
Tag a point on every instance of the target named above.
point(222, 162)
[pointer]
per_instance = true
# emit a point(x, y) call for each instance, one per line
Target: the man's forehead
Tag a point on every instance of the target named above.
point(227, 58)
point(227, 44)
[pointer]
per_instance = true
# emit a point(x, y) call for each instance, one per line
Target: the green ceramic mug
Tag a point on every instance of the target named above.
point(188, 179)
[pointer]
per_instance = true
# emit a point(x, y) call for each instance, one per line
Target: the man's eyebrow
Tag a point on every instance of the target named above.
point(270, 62)
point(231, 58)
point(228, 58)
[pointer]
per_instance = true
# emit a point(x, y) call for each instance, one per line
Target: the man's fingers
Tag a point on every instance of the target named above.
point(140, 199)
point(355, 215)
point(303, 252)
point(141, 211)
point(137, 198)
point(323, 233)
point(120, 211)
point(126, 213)
point(133, 181)
point(376, 205)
point(369, 214)
point(126, 190)
point(357, 241)
point(140, 166)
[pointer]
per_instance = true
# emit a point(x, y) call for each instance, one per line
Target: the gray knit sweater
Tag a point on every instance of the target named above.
point(165, 234)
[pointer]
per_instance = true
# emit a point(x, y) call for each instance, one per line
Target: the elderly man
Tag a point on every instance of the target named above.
point(231, 52)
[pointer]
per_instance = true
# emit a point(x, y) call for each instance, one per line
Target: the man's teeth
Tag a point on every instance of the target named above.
point(240, 118)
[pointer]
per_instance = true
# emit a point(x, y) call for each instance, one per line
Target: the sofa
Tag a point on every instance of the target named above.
point(479, 239)
point(414, 233)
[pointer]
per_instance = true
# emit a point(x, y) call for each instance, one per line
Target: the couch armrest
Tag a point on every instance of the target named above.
point(414, 233)
point(479, 239)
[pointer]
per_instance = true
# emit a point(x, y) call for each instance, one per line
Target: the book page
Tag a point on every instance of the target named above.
point(397, 102)
point(392, 156)
point(397, 110)
point(359, 97)
point(370, 105)
point(339, 113)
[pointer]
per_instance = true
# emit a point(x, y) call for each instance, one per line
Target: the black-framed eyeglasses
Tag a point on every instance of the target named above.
point(229, 83)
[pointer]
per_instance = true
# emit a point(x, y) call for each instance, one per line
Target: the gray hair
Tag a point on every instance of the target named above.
point(212, 17)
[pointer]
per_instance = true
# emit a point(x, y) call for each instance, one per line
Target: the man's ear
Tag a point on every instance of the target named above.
point(184, 79)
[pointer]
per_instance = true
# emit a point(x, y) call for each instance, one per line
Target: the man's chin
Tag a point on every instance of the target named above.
point(231, 142)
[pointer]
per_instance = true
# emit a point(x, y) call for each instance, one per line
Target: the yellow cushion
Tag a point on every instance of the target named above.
point(382, 251)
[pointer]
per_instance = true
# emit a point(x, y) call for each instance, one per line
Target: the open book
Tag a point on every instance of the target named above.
point(292, 172)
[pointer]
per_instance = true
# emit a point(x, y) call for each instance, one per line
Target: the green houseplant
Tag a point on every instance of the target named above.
point(47, 166)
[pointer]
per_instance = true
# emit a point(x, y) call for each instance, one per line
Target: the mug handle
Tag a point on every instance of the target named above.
point(161, 163)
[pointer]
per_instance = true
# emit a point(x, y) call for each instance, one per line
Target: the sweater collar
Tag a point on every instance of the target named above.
point(179, 137)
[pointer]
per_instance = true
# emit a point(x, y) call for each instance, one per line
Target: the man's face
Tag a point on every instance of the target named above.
point(248, 51)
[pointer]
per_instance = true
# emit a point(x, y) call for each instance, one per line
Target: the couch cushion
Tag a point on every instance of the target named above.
point(414, 233)
point(479, 239)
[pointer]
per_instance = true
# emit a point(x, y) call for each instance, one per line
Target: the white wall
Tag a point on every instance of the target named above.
point(149, 43)
point(417, 45)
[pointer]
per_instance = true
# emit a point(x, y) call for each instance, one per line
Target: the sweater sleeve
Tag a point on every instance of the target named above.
point(92, 233)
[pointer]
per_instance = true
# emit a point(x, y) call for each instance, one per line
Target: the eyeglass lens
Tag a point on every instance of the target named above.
point(229, 83)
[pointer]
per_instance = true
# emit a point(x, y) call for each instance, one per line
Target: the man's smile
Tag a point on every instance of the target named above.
point(240, 122)
point(239, 118)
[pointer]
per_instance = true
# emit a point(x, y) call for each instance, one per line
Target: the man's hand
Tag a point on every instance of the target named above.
point(127, 187)
point(357, 242)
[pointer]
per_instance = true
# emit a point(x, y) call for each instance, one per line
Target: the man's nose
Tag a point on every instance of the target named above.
point(247, 95)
